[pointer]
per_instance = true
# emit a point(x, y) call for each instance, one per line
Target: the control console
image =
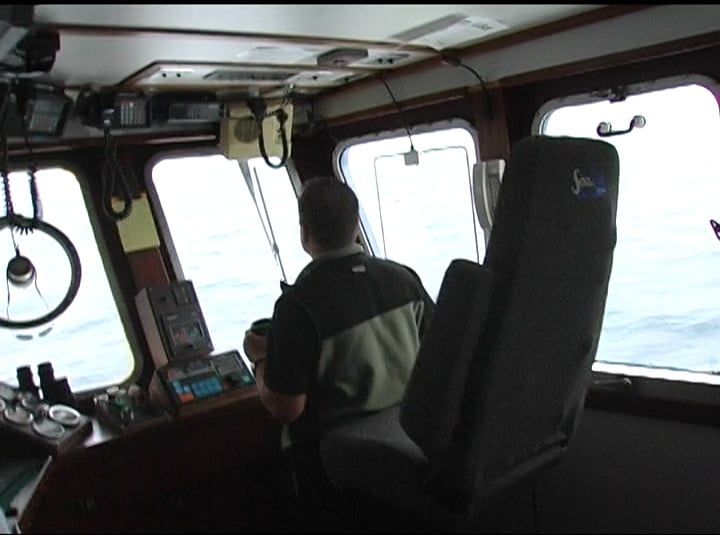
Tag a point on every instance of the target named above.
point(194, 384)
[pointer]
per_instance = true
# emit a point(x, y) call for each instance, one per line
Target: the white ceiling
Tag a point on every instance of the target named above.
point(353, 22)
point(279, 36)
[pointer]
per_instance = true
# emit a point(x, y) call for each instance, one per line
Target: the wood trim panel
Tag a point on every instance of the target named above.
point(195, 136)
point(133, 482)
point(689, 44)
point(147, 268)
point(407, 106)
point(562, 25)
point(492, 132)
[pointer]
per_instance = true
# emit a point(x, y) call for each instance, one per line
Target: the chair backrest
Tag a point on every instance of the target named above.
point(545, 280)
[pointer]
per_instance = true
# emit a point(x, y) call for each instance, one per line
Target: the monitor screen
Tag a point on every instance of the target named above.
point(187, 334)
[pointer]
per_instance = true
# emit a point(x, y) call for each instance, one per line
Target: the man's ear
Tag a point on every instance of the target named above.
point(306, 239)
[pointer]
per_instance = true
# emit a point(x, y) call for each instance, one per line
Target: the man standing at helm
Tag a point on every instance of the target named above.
point(343, 339)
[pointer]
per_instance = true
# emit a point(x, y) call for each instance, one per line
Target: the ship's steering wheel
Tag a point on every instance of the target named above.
point(21, 272)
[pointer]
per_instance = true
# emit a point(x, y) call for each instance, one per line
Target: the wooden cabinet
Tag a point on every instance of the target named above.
point(176, 475)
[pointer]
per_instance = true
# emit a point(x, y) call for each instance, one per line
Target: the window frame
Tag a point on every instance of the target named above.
point(658, 384)
point(122, 304)
point(372, 246)
point(175, 272)
point(631, 90)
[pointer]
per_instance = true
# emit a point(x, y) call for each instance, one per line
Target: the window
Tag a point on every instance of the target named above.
point(87, 343)
point(661, 314)
point(222, 235)
point(420, 215)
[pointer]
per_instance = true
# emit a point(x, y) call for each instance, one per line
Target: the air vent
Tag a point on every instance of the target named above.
point(322, 78)
point(341, 57)
point(280, 55)
point(392, 58)
point(249, 76)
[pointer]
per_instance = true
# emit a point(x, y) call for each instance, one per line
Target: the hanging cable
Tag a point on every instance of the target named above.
point(401, 111)
point(316, 121)
point(32, 169)
point(27, 272)
point(3, 113)
point(4, 171)
point(20, 270)
point(258, 109)
point(282, 117)
point(7, 308)
point(9, 210)
point(456, 62)
point(112, 175)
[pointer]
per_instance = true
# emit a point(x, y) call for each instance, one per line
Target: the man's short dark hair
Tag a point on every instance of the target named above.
point(329, 210)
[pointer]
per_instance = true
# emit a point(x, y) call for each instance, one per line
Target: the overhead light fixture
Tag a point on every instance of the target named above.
point(248, 76)
point(285, 55)
point(341, 57)
point(178, 69)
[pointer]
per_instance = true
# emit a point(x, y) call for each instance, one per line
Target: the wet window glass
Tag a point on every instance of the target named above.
point(87, 343)
point(662, 309)
point(418, 212)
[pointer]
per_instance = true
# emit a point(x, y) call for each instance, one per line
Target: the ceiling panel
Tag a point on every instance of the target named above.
point(353, 22)
point(134, 42)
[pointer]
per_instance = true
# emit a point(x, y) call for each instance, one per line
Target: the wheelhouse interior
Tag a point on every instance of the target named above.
point(152, 159)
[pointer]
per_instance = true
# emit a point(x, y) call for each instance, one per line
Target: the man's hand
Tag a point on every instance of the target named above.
point(255, 346)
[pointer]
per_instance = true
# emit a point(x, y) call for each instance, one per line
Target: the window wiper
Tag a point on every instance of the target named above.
point(269, 233)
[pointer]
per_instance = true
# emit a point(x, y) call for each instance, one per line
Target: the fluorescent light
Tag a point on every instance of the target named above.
point(178, 69)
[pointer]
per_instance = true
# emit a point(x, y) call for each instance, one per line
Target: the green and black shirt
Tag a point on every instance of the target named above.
point(346, 334)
